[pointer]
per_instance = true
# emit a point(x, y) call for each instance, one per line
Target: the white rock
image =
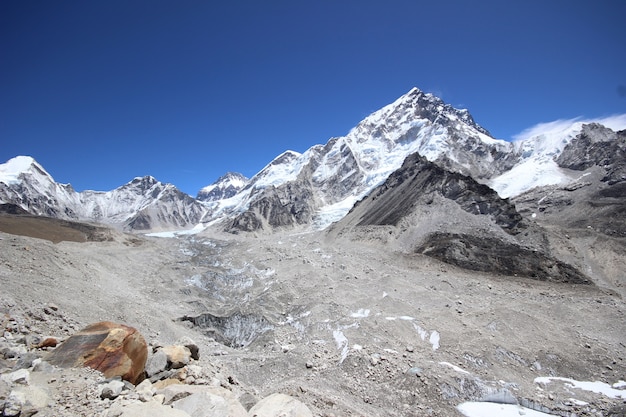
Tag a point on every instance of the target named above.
point(205, 404)
point(111, 389)
point(280, 405)
point(21, 376)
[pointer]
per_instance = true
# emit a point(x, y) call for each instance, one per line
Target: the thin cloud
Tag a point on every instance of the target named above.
point(615, 122)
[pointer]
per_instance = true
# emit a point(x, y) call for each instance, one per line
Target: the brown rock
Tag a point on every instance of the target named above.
point(111, 348)
point(48, 342)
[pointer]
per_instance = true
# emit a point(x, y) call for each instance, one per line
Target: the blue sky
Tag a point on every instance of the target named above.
point(100, 92)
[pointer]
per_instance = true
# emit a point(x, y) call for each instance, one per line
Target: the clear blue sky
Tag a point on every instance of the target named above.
point(99, 92)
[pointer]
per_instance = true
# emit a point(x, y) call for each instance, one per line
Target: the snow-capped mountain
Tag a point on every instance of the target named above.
point(330, 178)
point(28, 185)
point(319, 186)
point(226, 186)
point(142, 204)
point(537, 153)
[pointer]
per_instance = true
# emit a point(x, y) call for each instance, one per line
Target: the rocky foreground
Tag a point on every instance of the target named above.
point(79, 376)
point(297, 324)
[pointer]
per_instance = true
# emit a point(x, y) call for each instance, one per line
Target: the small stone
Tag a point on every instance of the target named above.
point(309, 365)
point(410, 348)
point(145, 390)
point(47, 342)
point(112, 390)
point(21, 376)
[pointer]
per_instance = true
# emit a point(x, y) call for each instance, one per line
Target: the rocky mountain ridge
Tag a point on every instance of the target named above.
point(225, 187)
point(143, 204)
point(311, 189)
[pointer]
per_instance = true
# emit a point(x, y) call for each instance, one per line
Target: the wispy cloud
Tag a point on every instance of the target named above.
point(615, 122)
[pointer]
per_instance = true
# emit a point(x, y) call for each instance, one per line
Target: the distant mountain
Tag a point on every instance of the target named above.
point(319, 187)
point(226, 186)
point(142, 204)
point(594, 199)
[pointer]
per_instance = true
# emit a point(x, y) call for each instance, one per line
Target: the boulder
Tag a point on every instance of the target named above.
point(157, 362)
point(177, 356)
point(111, 348)
point(14, 404)
point(21, 376)
point(280, 405)
point(191, 345)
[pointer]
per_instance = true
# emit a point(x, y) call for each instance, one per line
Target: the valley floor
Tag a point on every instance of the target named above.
point(349, 328)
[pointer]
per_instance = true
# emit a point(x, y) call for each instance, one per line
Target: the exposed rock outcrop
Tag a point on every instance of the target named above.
point(498, 257)
point(599, 146)
point(418, 180)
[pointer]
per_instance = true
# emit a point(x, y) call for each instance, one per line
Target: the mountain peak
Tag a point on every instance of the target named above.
point(14, 167)
point(226, 186)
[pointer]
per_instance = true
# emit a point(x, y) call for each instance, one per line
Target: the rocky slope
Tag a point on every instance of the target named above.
point(423, 208)
point(348, 327)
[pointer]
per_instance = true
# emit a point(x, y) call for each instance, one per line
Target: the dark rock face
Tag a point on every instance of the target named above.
point(495, 256)
point(170, 208)
point(287, 205)
point(598, 200)
point(9, 208)
point(418, 180)
point(597, 145)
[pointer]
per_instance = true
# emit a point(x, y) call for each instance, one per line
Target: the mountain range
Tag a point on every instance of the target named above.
point(415, 266)
point(319, 187)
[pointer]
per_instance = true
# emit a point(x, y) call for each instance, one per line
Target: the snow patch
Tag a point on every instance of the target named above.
point(361, 313)
point(484, 409)
point(434, 339)
point(342, 344)
point(597, 386)
point(175, 233)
